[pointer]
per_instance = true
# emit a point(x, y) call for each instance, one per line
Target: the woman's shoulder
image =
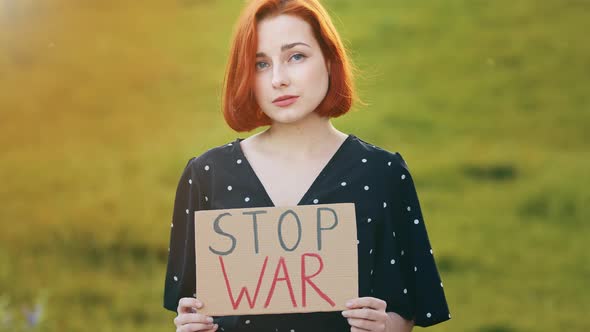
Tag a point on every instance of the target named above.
point(386, 156)
point(214, 155)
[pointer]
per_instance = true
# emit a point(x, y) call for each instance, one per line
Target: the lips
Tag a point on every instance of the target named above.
point(283, 97)
point(285, 100)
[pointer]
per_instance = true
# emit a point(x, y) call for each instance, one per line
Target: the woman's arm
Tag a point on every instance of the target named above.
point(396, 323)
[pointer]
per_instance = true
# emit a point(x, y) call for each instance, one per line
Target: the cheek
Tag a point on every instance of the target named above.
point(259, 88)
point(316, 72)
point(316, 78)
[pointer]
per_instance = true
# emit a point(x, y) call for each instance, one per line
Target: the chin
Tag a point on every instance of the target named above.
point(294, 118)
point(287, 115)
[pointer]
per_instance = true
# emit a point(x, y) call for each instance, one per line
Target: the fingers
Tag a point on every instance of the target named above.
point(356, 329)
point(365, 313)
point(362, 325)
point(189, 320)
point(215, 327)
point(194, 322)
point(367, 302)
point(197, 327)
point(193, 318)
point(188, 305)
point(365, 319)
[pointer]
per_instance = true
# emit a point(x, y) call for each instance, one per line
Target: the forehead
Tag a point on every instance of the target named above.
point(276, 31)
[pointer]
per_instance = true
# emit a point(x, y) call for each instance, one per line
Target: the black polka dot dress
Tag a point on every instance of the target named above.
point(395, 260)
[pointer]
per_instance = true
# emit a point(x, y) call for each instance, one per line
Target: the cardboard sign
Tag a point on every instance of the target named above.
point(269, 260)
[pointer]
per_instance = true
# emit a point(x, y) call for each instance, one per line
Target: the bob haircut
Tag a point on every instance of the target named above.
point(240, 109)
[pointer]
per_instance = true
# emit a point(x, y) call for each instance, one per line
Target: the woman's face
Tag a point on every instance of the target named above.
point(289, 62)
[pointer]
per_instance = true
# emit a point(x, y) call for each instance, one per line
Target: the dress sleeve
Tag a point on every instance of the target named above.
point(181, 269)
point(423, 294)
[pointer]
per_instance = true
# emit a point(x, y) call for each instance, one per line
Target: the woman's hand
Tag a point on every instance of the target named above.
point(366, 314)
point(188, 320)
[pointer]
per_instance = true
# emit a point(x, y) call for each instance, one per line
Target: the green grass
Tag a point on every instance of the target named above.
point(102, 104)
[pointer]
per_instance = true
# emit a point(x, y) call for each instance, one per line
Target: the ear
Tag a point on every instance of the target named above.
point(328, 65)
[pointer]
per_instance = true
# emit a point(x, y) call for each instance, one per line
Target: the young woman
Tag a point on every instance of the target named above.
point(288, 69)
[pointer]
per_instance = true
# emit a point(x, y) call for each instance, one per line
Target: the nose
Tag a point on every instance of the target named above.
point(279, 76)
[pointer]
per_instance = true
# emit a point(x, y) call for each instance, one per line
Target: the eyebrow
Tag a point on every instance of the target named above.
point(283, 48)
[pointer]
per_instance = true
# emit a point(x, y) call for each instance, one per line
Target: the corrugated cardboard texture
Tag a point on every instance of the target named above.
point(276, 259)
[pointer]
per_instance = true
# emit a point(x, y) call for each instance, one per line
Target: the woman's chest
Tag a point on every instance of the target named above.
point(287, 184)
point(290, 185)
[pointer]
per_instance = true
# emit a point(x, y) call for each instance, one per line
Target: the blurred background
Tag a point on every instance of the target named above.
point(102, 103)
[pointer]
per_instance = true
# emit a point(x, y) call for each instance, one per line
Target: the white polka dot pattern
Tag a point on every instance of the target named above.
point(396, 228)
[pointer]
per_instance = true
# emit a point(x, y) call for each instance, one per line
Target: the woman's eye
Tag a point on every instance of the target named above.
point(260, 65)
point(299, 55)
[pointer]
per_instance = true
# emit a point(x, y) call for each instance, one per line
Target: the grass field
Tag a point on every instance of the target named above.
point(103, 102)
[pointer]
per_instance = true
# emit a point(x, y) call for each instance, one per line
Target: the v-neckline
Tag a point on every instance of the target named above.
point(313, 184)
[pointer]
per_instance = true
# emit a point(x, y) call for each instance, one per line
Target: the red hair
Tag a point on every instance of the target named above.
point(240, 109)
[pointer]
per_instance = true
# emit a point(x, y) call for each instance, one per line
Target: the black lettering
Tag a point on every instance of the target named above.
point(255, 226)
point(319, 224)
point(280, 230)
point(218, 230)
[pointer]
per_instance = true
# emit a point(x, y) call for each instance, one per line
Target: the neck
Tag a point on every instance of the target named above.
point(305, 139)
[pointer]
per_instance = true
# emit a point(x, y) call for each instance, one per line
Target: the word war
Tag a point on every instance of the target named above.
point(305, 280)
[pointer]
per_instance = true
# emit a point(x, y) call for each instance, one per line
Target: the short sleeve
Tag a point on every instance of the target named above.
point(420, 295)
point(181, 268)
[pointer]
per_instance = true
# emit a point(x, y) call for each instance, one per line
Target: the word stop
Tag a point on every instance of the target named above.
point(326, 219)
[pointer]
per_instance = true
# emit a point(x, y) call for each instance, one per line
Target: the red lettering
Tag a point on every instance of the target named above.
point(281, 266)
point(286, 278)
point(305, 278)
point(244, 290)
